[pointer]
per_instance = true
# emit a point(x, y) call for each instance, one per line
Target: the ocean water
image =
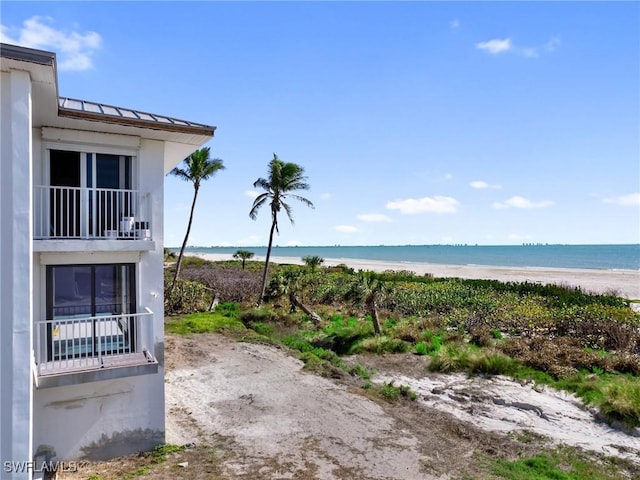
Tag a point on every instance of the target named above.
point(607, 257)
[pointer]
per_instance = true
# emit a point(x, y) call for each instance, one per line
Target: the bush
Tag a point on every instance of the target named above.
point(187, 297)
point(421, 348)
point(392, 393)
point(381, 344)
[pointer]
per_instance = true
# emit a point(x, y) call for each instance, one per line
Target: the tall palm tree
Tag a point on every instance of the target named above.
point(284, 178)
point(196, 168)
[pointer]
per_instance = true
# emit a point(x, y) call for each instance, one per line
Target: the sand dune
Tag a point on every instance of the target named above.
point(625, 283)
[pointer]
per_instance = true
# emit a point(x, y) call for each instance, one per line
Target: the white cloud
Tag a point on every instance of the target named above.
point(75, 50)
point(251, 193)
point(345, 228)
point(326, 196)
point(521, 202)
point(630, 200)
point(481, 184)
point(495, 46)
point(374, 217)
point(437, 204)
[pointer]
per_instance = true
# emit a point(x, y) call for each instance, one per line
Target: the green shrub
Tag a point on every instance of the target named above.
point(621, 401)
point(262, 329)
point(360, 371)
point(421, 348)
point(381, 344)
point(432, 341)
point(392, 393)
point(203, 323)
point(228, 309)
point(187, 297)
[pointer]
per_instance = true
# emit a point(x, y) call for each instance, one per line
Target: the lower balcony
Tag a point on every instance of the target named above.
point(77, 350)
point(90, 213)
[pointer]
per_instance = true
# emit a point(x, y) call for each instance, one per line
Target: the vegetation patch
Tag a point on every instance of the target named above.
point(209, 322)
point(392, 393)
point(561, 464)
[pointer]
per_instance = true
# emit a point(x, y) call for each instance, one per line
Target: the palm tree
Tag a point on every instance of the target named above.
point(244, 255)
point(367, 289)
point(284, 178)
point(196, 168)
point(313, 262)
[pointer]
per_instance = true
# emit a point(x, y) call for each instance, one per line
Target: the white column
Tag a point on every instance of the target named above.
point(16, 272)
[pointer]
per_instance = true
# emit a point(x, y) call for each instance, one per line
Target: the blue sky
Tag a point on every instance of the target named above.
point(416, 122)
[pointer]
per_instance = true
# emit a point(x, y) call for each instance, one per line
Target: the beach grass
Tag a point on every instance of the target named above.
point(556, 335)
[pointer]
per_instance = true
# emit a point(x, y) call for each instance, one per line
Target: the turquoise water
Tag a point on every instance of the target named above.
point(608, 257)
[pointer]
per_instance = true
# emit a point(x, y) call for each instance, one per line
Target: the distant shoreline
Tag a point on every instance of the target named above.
point(624, 283)
point(592, 257)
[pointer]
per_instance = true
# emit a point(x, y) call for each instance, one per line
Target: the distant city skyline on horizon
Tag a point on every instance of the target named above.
point(417, 123)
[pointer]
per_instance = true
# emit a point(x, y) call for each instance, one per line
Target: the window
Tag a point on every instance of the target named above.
point(89, 192)
point(89, 310)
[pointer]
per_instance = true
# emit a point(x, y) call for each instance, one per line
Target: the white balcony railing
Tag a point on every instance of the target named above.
point(91, 343)
point(75, 212)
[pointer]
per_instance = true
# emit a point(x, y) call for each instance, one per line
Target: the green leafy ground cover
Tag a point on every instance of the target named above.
point(558, 336)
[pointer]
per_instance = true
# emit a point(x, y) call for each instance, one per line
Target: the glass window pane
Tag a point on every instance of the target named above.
point(71, 292)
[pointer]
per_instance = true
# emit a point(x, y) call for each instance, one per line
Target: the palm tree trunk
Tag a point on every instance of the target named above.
point(266, 262)
point(184, 243)
point(313, 316)
point(372, 306)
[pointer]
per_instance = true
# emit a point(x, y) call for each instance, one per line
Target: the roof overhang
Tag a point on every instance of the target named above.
point(52, 111)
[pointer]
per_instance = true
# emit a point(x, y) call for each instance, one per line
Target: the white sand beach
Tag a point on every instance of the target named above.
point(625, 283)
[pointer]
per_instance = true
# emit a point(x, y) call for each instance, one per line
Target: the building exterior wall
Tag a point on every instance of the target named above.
point(94, 412)
point(102, 419)
point(16, 381)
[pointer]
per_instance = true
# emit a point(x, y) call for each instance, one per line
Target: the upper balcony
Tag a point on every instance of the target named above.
point(78, 213)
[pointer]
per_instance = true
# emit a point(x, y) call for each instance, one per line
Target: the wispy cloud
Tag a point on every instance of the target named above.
point(345, 228)
point(482, 185)
point(521, 202)
point(75, 50)
point(495, 46)
point(437, 204)
point(374, 217)
point(630, 200)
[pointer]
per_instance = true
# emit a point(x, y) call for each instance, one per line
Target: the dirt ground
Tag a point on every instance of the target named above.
point(249, 411)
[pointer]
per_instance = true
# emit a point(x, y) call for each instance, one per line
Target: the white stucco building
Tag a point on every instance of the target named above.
point(81, 256)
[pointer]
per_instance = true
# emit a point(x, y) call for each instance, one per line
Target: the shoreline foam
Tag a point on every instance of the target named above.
point(624, 283)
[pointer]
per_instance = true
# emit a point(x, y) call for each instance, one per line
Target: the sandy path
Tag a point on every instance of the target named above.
point(282, 422)
point(285, 421)
point(503, 405)
point(625, 283)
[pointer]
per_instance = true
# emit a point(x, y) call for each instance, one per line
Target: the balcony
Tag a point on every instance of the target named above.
point(62, 213)
point(82, 349)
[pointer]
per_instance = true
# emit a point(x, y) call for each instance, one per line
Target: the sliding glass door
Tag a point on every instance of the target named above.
point(89, 306)
point(90, 192)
